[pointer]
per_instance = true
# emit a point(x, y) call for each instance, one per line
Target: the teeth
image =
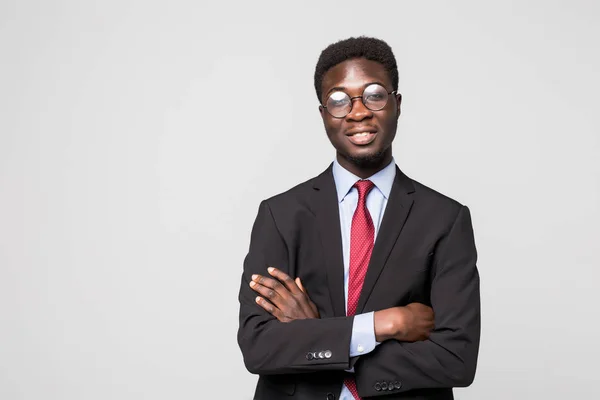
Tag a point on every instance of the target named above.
point(361, 134)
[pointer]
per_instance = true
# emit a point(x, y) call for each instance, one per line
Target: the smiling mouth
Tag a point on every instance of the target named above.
point(362, 138)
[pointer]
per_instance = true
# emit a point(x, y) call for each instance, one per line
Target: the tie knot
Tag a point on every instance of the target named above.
point(363, 187)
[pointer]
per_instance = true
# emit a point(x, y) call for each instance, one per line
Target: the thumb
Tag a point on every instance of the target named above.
point(299, 283)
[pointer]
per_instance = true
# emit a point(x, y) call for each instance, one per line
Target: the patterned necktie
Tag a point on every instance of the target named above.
point(362, 238)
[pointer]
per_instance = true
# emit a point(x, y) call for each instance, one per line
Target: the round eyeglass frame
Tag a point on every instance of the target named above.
point(361, 99)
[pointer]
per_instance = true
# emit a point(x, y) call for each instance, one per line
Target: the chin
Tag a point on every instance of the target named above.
point(366, 160)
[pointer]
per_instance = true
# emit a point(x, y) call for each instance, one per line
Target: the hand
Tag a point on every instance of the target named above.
point(283, 297)
point(410, 323)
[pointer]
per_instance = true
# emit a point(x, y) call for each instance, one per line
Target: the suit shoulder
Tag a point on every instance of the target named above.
point(438, 202)
point(293, 195)
point(426, 191)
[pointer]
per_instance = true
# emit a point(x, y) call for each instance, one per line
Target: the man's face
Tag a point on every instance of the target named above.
point(347, 134)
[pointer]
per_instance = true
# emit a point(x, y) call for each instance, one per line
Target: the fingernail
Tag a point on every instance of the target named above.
point(257, 299)
point(270, 269)
point(252, 283)
point(254, 277)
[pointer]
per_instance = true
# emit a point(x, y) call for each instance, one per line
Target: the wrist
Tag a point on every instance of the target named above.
point(385, 325)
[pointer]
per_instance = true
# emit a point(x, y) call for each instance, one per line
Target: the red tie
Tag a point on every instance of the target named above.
point(362, 237)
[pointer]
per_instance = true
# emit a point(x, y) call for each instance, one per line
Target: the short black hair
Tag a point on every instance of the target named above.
point(356, 47)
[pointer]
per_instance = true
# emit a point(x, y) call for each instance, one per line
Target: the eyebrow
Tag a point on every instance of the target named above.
point(343, 89)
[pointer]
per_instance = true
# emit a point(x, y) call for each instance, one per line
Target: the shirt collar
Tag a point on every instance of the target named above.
point(344, 179)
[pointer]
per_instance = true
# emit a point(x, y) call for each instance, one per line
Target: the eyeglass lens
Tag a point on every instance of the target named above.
point(374, 97)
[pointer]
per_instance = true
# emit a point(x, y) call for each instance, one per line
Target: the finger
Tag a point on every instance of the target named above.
point(269, 307)
point(423, 308)
point(275, 292)
point(285, 279)
point(305, 300)
point(287, 301)
point(273, 284)
point(266, 292)
point(312, 305)
point(299, 283)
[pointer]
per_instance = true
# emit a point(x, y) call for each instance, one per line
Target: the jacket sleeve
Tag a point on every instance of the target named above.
point(449, 357)
point(272, 347)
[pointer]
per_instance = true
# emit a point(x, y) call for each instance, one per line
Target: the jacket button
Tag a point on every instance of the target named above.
point(397, 384)
point(330, 396)
point(309, 356)
point(377, 386)
point(327, 354)
point(384, 385)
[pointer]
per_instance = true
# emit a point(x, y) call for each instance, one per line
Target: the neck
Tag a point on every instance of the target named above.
point(365, 168)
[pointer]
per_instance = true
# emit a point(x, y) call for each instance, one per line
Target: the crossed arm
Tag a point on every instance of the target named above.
point(288, 301)
point(446, 358)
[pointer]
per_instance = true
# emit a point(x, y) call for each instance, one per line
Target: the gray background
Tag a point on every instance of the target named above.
point(138, 137)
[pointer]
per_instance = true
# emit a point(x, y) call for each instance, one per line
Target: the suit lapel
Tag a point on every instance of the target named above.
point(326, 208)
point(394, 217)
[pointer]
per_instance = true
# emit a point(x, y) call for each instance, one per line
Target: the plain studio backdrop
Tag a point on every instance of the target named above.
point(137, 139)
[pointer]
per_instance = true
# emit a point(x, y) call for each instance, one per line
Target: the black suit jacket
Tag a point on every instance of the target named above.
point(424, 252)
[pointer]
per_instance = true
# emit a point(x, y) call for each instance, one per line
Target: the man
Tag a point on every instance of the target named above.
point(360, 282)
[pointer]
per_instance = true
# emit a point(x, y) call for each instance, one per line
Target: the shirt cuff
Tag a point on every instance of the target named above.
point(363, 335)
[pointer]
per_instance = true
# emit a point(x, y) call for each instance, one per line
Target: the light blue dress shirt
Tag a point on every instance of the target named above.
point(363, 329)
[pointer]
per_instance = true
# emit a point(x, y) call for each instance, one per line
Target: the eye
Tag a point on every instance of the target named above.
point(338, 99)
point(341, 102)
point(375, 96)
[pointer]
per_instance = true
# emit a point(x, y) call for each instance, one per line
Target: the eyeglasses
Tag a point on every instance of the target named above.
point(374, 97)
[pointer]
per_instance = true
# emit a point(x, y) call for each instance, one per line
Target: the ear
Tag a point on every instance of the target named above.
point(322, 111)
point(398, 102)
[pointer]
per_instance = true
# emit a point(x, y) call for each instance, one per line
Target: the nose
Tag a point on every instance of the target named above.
point(358, 111)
